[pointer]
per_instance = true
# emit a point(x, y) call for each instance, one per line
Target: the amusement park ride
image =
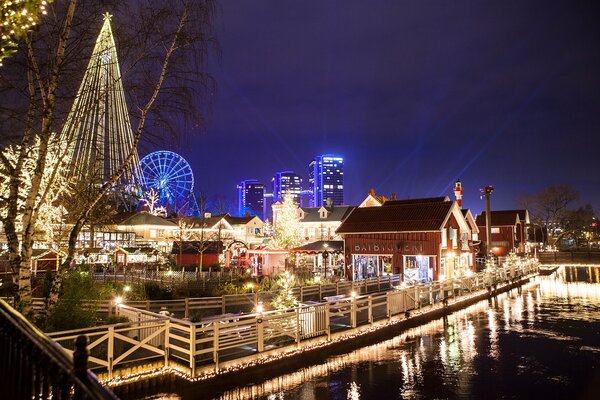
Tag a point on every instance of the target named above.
point(99, 131)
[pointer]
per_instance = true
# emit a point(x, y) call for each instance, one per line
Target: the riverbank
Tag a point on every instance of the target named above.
point(311, 351)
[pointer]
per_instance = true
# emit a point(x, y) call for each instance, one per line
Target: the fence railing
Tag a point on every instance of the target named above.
point(238, 303)
point(569, 257)
point(151, 340)
point(34, 367)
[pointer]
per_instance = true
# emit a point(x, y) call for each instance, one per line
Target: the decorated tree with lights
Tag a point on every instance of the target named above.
point(17, 18)
point(287, 228)
point(168, 43)
point(284, 299)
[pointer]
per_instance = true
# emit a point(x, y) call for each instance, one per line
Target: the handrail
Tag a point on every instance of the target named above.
point(41, 366)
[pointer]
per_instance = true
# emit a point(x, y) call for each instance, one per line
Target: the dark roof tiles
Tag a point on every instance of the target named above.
point(403, 217)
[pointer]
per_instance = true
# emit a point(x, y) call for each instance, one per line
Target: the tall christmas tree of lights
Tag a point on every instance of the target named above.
point(98, 126)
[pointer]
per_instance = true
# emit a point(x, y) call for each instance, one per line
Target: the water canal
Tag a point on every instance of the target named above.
point(539, 342)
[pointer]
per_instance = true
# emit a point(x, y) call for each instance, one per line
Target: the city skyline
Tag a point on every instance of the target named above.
point(414, 96)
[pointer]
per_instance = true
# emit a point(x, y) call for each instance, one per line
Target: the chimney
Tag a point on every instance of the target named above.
point(372, 192)
point(329, 202)
point(458, 193)
point(393, 196)
point(247, 214)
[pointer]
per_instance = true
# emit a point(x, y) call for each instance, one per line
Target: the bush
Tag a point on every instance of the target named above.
point(117, 319)
point(70, 311)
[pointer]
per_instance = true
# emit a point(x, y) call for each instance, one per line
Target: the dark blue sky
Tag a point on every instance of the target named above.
point(413, 94)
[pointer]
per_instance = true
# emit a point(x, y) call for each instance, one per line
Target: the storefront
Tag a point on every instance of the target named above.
point(418, 239)
point(418, 268)
point(371, 266)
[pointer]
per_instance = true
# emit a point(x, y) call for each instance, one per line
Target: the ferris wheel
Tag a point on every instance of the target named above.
point(171, 176)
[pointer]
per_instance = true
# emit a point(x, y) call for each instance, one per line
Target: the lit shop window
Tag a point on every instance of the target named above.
point(153, 233)
point(495, 230)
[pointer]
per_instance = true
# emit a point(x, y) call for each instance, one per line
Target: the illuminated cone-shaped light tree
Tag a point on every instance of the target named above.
point(287, 227)
point(98, 124)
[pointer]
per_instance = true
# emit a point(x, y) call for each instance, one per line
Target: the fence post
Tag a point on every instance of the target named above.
point(328, 320)
point(193, 350)
point(353, 312)
point(166, 343)
point(223, 305)
point(388, 304)
point(260, 334)
point(186, 313)
point(297, 326)
point(370, 311)
point(110, 352)
point(337, 288)
point(80, 360)
point(216, 345)
point(417, 298)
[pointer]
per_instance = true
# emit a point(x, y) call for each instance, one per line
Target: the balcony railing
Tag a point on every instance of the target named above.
point(32, 366)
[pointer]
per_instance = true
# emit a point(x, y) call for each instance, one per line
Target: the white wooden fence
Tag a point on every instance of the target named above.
point(152, 339)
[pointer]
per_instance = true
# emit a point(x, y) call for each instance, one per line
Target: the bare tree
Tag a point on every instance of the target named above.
point(165, 61)
point(550, 207)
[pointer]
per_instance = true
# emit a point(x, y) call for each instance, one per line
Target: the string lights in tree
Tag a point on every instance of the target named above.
point(17, 17)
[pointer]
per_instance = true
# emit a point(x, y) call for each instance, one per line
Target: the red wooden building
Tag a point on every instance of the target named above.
point(422, 239)
point(509, 229)
point(189, 255)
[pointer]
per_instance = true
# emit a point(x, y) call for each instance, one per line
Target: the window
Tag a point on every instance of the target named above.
point(444, 239)
point(475, 236)
point(153, 233)
point(453, 237)
point(495, 230)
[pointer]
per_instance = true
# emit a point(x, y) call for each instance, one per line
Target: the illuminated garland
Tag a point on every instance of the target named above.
point(361, 331)
point(17, 17)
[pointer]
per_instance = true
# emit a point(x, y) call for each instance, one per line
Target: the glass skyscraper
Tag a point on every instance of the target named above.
point(326, 180)
point(250, 197)
point(286, 182)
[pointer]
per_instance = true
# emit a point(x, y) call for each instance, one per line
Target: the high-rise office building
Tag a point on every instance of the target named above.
point(286, 182)
point(251, 197)
point(326, 180)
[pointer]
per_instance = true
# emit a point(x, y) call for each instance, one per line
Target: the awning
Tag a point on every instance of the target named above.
point(321, 246)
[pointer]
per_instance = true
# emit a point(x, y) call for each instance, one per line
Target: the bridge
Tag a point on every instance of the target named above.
point(569, 258)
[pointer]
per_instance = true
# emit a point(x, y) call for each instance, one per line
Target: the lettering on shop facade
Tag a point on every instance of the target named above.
point(400, 247)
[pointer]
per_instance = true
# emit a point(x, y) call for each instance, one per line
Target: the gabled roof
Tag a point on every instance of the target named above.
point(207, 223)
point(424, 200)
point(470, 219)
point(500, 218)
point(334, 214)
point(404, 217)
point(145, 218)
point(240, 220)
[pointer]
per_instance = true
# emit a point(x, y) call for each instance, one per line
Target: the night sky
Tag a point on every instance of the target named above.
point(414, 94)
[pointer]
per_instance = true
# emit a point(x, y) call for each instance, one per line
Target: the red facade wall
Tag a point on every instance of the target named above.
point(188, 260)
point(396, 244)
point(502, 243)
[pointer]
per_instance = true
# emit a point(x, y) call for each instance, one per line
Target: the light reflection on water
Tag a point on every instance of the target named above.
point(540, 342)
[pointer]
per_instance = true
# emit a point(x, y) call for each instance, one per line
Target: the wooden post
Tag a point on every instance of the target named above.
point(370, 311)
point(328, 321)
point(353, 312)
point(297, 326)
point(186, 313)
point(260, 334)
point(192, 348)
point(216, 345)
point(80, 360)
point(110, 352)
